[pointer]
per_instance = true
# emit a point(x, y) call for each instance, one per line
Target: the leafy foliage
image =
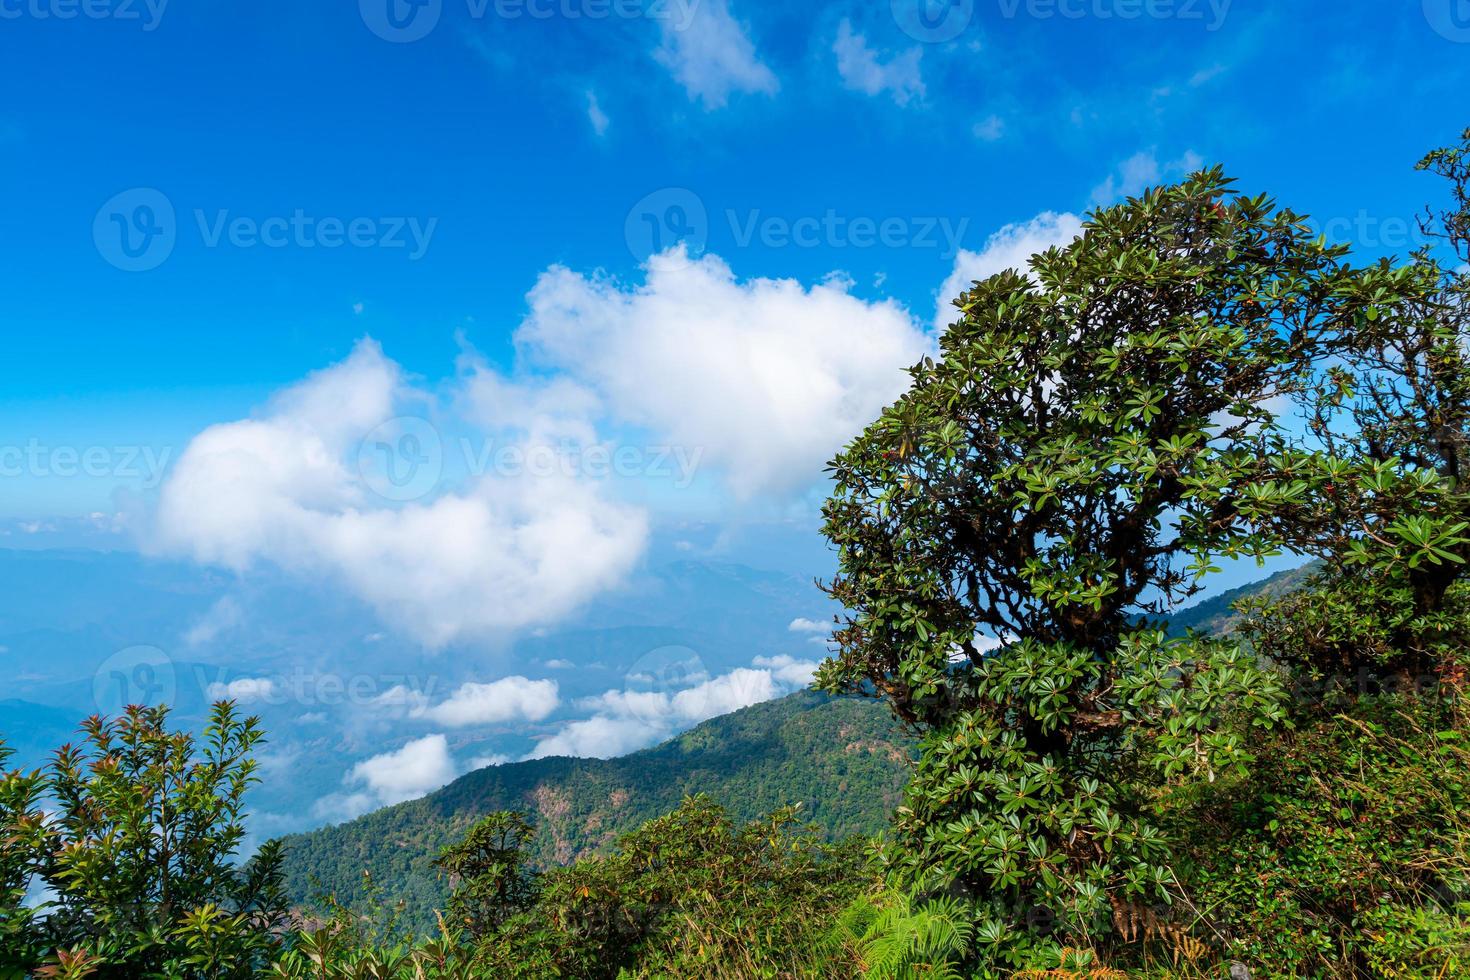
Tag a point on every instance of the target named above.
point(687, 895)
point(1089, 428)
point(905, 936)
point(489, 868)
point(140, 854)
point(1347, 856)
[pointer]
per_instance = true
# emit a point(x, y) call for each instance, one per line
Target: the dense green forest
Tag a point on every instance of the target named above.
point(845, 761)
point(1279, 791)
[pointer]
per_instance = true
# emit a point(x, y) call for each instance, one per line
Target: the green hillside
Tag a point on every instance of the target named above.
point(845, 760)
point(1218, 615)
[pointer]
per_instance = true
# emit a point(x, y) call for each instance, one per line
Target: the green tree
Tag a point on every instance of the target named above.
point(1379, 485)
point(689, 894)
point(489, 873)
point(1069, 467)
point(22, 836)
point(142, 851)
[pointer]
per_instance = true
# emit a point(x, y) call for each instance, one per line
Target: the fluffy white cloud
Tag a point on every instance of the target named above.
point(863, 71)
point(712, 56)
point(800, 625)
point(625, 721)
point(1009, 248)
point(766, 377)
point(291, 487)
point(789, 670)
point(246, 690)
point(420, 767)
point(510, 699)
point(599, 737)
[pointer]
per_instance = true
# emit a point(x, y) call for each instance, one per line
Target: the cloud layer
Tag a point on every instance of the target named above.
point(291, 487)
point(766, 377)
point(628, 720)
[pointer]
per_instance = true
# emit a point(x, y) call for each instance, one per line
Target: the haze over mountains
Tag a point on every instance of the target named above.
point(682, 641)
point(359, 718)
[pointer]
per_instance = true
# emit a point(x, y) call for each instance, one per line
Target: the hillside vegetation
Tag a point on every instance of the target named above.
point(844, 761)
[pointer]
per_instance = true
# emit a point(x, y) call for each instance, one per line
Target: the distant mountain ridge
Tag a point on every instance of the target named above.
point(845, 760)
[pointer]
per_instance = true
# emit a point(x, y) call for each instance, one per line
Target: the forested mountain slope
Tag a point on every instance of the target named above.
point(844, 760)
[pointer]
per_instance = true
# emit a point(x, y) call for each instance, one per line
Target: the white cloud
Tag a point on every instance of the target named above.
point(419, 768)
point(809, 626)
point(599, 737)
point(560, 665)
point(1009, 248)
point(766, 378)
point(221, 617)
point(510, 699)
point(862, 71)
point(712, 56)
point(789, 670)
point(722, 695)
point(289, 488)
point(246, 690)
point(595, 115)
point(626, 721)
point(402, 696)
point(1141, 171)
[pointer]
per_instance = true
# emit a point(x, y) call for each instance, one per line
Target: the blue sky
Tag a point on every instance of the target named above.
point(374, 320)
point(521, 136)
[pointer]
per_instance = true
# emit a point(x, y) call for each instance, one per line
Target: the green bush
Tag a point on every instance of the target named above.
point(140, 855)
point(1347, 853)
